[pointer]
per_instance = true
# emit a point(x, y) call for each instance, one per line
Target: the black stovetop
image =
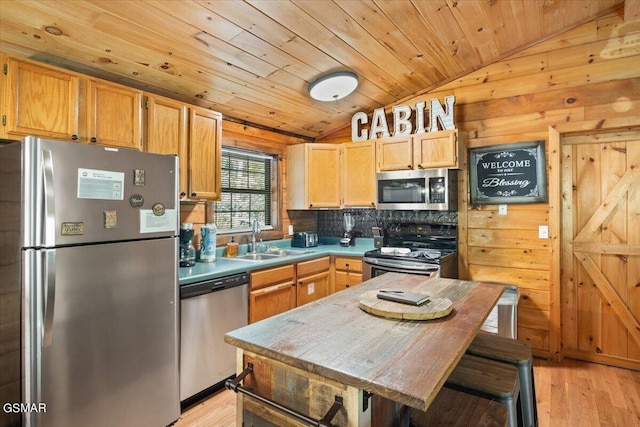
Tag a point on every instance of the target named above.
point(418, 242)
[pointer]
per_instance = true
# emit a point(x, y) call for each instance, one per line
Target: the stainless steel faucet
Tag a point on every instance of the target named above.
point(255, 230)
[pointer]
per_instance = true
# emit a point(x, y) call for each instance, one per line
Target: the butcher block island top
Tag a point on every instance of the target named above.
point(406, 361)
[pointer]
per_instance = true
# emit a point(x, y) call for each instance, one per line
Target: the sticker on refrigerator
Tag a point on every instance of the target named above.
point(72, 229)
point(110, 219)
point(152, 223)
point(97, 184)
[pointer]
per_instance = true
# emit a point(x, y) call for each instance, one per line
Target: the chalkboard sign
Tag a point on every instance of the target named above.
point(509, 173)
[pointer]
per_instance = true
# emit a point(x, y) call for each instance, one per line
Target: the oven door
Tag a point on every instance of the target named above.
point(374, 267)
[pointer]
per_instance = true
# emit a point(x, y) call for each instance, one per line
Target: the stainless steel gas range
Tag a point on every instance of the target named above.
point(415, 248)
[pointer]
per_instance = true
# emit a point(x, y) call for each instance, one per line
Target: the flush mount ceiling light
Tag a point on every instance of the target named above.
point(333, 86)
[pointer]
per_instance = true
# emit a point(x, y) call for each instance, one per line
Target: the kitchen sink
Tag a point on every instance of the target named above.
point(255, 257)
point(271, 254)
point(288, 252)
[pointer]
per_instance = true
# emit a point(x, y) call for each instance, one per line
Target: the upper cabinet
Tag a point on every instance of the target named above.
point(39, 100)
point(358, 174)
point(51, 102)
point(313, 176)
point(324, 176)
point(166, 132)
point(205, 154)
point(194, 134)
point(436, 150)
point(109, 104)
point(422, 151)
point(395, 153)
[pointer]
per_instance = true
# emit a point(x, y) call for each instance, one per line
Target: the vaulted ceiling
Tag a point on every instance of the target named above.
point(253, 60)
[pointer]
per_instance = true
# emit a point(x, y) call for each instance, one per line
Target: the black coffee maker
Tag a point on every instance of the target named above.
point(348, 238)
point(187, 250)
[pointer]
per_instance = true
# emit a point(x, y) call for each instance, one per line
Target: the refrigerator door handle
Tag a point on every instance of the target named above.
point(49, 230)
point(49, 296)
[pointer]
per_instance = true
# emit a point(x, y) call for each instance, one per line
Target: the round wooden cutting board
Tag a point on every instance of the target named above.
point(434, 309)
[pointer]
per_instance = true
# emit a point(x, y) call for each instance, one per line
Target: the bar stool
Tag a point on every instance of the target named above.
point(458, 409)
point(518, 354)
point(489, 379)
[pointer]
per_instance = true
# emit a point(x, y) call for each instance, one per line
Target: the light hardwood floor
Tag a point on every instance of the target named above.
point(571, 393)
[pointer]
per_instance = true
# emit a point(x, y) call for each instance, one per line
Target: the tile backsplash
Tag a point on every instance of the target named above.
point(330, 222)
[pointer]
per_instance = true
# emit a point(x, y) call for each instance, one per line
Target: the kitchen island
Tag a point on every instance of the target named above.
point(329, 351)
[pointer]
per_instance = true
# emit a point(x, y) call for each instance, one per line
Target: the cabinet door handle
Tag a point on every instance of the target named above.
point(182, 194)
point(194, 194)
point(408, 166)
point(74, 137)
point(94, 139)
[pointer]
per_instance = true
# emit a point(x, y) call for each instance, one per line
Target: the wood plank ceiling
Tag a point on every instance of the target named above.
point(253, 60)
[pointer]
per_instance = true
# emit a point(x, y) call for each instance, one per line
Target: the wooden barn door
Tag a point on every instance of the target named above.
point(600, 244)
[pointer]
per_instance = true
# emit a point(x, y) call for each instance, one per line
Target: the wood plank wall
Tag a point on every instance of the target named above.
point(583, 80)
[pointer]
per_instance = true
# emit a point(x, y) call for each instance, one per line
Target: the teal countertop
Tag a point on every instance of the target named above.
point(224, 266)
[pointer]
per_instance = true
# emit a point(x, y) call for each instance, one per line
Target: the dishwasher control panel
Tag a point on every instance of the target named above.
point(213, 285)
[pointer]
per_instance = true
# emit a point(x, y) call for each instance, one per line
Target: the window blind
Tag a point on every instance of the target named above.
point(246, 190)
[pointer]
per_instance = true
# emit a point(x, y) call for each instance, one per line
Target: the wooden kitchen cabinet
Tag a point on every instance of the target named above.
point(436, 150)
point(313, 280)
point(113, 115)
point(358, 174)
point(395, 153)
point(166, 132)
point(313, 176)
point(422, 151)
point(53, 103)
point(348, 272)
point(39, 100)
point(271, 291)
point(205, 154)
point(271, 300)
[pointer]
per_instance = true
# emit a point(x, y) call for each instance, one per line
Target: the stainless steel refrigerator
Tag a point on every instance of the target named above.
point(89, 296)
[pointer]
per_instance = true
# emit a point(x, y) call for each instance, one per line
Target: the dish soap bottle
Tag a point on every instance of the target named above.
point(232, 248)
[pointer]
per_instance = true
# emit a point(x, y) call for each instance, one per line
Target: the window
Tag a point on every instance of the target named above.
point(247, 181)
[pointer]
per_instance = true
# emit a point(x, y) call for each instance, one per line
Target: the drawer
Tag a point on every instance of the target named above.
point(271, 276)
point(318, 265)
point(349, 264)
point(346, 280)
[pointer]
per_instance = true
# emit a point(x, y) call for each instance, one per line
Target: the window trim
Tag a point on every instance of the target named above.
point(262, 153)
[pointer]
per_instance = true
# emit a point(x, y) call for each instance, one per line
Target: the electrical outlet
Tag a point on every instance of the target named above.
point(502, 209)
point(543, 231)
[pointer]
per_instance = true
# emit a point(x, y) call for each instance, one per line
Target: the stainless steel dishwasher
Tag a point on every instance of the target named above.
point(209, 310)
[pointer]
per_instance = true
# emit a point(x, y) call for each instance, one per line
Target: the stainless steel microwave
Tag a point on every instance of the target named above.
point(426, 189)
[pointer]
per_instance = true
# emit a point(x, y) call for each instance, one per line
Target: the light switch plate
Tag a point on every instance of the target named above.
point(290, 230)
point(502, 209)
point(543, 231)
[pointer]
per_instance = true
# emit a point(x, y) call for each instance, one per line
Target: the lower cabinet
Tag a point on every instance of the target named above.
point(313, 280)
point(271, 291)
point(348, 272)
point(275, 290)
